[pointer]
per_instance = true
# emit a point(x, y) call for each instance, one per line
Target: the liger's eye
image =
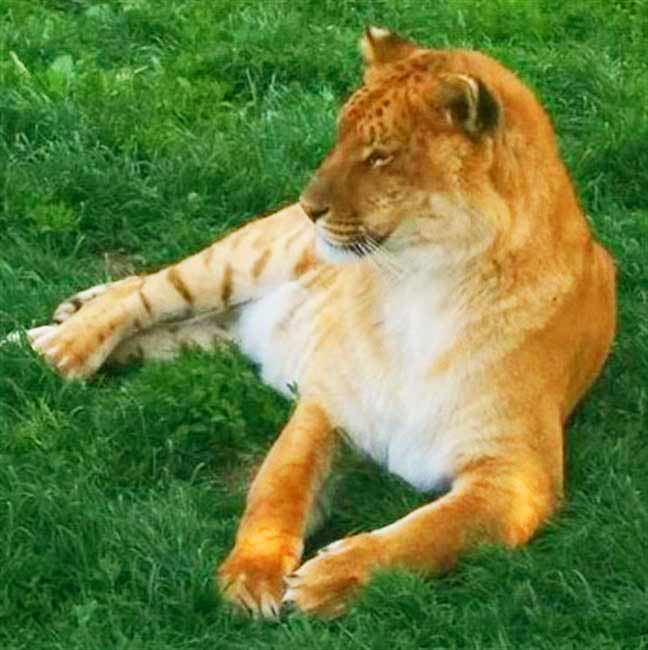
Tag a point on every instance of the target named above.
point(379, 159)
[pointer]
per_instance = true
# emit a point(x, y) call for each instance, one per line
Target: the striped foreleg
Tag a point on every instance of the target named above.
point(237, 268)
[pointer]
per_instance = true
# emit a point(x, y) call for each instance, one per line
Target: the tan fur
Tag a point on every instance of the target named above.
point(474, 311)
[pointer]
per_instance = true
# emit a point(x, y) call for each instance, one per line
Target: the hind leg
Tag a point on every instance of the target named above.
point(164, 342)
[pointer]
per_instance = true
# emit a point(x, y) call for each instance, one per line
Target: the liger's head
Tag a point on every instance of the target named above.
point(415, 161)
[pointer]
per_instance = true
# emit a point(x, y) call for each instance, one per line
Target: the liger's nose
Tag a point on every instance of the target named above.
point(313, 211)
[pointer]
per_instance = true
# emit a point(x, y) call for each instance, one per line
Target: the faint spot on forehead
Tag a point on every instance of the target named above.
point(376, 113)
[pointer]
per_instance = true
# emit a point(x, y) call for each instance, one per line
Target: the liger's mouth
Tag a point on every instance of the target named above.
point(358, 245)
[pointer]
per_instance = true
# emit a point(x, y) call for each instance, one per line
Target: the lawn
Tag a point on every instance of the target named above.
point(133, 132)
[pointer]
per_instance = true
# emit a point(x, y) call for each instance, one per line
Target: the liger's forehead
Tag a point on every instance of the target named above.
point(386, 108)
point(375, 113)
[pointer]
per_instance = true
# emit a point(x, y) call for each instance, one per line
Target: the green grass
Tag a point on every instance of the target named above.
point(133, 132)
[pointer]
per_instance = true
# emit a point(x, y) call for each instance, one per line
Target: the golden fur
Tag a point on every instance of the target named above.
point(437, 297)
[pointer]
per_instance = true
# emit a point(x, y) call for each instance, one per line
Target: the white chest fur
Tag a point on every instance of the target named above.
point(390, 408)
point(404, 417)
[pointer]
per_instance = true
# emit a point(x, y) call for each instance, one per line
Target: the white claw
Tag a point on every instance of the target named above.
point(269, 608)
point(38, 333)
point(248, 602)
point(41, 342)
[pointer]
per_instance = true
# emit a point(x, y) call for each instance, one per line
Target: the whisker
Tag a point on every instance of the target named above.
point(366, 246)
point(385, 260)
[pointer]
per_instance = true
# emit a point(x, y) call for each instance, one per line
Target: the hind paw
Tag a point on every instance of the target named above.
point(73, 304)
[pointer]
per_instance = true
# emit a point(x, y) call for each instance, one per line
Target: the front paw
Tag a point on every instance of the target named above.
point(252, 578)
point(77, 348)
point(325, 585)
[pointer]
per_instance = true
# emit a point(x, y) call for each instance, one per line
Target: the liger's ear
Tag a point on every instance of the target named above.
point(380, 46)
point(470, 104)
